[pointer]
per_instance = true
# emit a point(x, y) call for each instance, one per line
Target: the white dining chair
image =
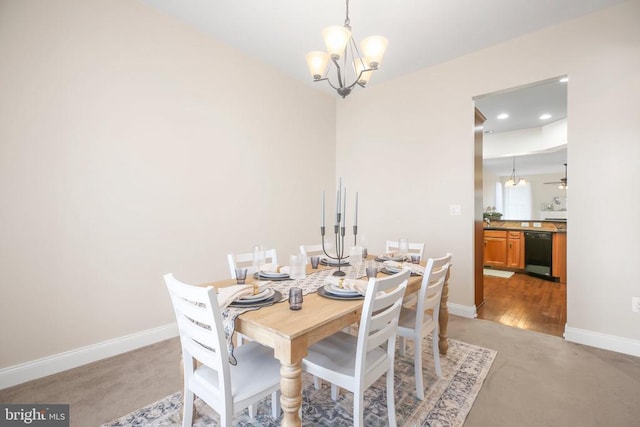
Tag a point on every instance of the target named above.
point(246, 260)
point(311, 250)
point(227, 389)
point(414, 248)
point(355, 363)
point(416, 324)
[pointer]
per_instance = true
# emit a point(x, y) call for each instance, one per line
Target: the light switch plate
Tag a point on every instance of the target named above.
point(455, 210)
point(635, 304)
point(524, 224)
point(537, 224)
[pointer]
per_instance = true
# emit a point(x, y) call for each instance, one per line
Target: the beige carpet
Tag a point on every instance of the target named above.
point(448, 399)
point(536, 380)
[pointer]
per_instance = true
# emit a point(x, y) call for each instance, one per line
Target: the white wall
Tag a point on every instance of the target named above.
point(409, 146)
point(132, 146)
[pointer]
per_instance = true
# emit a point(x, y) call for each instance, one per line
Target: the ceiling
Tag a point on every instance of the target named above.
point(525, 105)
point(420, 34)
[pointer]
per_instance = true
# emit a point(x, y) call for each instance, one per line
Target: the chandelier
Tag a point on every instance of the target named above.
point(512, 181)
point(351, 67)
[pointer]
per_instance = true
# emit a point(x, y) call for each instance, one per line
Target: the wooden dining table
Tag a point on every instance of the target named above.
point(291, 332)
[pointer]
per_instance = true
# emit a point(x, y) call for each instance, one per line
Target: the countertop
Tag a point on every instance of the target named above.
point(528, 225)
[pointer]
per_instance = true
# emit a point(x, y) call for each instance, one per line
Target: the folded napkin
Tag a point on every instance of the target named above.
point(395, 267)
point(274, 268)
point(396, 256)
point(229, 294)
point(359, 286)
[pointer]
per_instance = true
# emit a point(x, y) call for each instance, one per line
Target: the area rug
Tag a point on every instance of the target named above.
point(497, 273)
point(447, 402)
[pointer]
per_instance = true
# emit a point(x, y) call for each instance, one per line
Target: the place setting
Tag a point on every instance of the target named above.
point(264, 298)
point(343, 289)
point(393, 267)
point(272, 272)
point(242, 295)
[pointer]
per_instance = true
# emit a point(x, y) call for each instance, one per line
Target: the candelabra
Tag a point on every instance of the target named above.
point(339, 229)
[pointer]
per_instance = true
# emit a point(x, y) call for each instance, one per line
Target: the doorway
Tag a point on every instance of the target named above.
point(523, 126)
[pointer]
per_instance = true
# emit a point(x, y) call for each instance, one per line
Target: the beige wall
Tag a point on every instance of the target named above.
point(408, 144)
point(132, 146)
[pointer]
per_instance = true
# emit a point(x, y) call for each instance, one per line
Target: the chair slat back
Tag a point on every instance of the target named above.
point(414, 248)
point(310, 250)
point(430, 292)
point(246, 260)
point(379, 320)
point(200, 326)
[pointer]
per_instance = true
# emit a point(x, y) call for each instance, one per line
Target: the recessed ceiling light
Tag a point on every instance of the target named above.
point(503, 116)
point(564, 79)
point(488, 131)
point(545, 117)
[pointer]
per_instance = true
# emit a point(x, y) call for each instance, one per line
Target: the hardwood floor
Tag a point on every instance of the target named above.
point(525, 302)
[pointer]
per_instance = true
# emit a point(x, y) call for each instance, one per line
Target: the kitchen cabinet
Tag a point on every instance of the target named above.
point(515, 249)
point(559, 257)
point(495, 248)
point(504, 248)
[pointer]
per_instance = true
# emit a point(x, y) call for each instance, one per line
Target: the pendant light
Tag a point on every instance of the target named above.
point(513, 181)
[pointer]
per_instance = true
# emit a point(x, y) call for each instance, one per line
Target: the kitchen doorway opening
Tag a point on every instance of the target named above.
point(529, 124)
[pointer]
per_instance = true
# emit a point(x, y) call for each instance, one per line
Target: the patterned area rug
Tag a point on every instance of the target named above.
point(447, 402)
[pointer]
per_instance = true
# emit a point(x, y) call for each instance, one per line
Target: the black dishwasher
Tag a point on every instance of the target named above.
point(538, 254)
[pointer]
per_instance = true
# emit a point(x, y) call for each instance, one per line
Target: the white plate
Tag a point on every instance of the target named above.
point(273, 274)
point(337, 290)
point(329, 261)
point(267, 293)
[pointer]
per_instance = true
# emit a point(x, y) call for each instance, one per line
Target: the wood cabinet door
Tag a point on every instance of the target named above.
point(495, 251)
point(515, 249)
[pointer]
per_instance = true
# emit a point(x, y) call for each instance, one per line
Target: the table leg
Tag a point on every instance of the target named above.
point(443, 316)
point(291, 397)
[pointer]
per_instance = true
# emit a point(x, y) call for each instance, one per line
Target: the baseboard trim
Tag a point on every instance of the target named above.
point(603, 341)
point(18, 374)
point(462, 310)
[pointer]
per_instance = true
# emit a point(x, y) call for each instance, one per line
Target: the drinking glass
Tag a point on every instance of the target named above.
point(258, 258)
point(295, 298)
point(403, 245)
point(371, 268)
point(315, 260)
point(297, 267)
point(355, 256)
point(241, 275)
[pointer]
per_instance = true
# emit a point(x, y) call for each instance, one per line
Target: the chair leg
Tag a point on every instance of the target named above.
point(316, 382)
point(403, 348)
point(391, 401)
point(358, 408)
point(275, 404)
point(187, 410)
point(417, 365)
point(335, 392)
point(253, 411)
point(436, 352)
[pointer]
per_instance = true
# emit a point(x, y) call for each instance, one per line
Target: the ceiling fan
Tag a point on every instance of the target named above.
point(563, 183)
